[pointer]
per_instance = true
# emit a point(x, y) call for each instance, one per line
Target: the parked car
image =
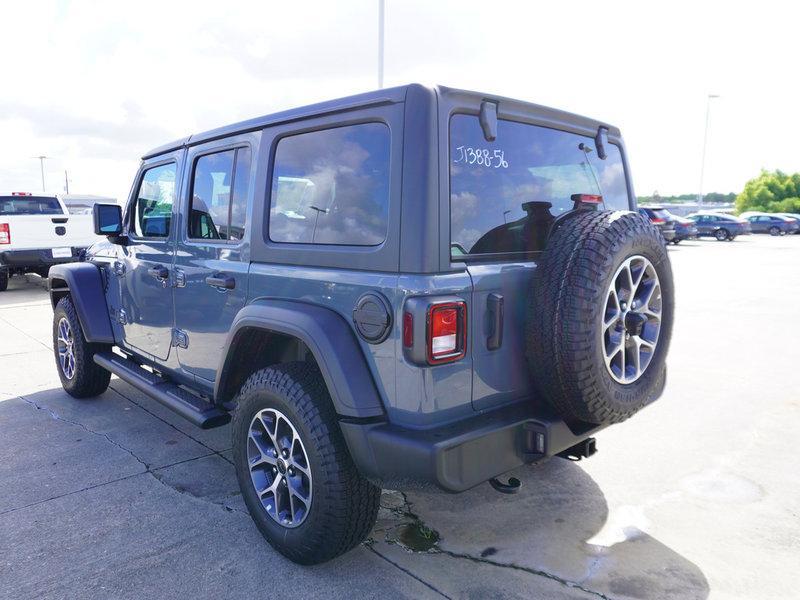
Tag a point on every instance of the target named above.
point(720, 226)
point(36, 231)
point(794, 217)
point(772, 224)
point(352, 353)
point(661, 218)
point(685, 229)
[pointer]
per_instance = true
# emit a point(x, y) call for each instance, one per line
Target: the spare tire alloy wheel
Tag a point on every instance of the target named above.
point(279, 467)
point(632, 319)
point(599, 321)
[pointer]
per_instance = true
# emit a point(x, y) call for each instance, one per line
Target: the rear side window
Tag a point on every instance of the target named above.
point(220, 186)
point(505, 194)
point(29, 205)
point(332, 187)
point(152, 213)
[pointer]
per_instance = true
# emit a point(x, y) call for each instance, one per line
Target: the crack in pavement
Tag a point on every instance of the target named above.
point(152, 414)
point(404, 512)
point(369, 547)
point(147, 468)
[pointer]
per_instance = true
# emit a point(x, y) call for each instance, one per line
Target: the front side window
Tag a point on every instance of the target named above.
point(505, 194)
point(152, 212)
point(332, 187)
point(218, 203)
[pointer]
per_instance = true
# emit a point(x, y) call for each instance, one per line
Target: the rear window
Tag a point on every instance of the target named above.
point(29, 205)
point(505, 194)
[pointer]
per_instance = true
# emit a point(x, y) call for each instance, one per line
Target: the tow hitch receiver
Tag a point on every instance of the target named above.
point(583, 449)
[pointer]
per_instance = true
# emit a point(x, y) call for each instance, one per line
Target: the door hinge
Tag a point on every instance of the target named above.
point(120, 316)
point(180, 278)
point(180, 338)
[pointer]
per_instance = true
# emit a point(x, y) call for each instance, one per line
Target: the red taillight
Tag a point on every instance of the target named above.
point(5, 233)
point(657, 221)
point(587, 198)
point(21, 194)
point(447, 332)
point(408, 330)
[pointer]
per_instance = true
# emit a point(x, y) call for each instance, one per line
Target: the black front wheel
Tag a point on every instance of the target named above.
point(297, 478)
point(80, 376)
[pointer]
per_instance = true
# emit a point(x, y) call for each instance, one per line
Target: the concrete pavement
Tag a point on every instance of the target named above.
point(695, 497)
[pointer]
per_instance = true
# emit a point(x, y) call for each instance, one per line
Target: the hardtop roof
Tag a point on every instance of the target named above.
point(373, 98)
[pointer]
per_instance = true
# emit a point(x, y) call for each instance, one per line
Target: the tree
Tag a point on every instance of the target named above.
point(771, 191)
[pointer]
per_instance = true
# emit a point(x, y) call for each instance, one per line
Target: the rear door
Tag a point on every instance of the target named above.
point(146, 291)
point(504, 197)
point(213, 255)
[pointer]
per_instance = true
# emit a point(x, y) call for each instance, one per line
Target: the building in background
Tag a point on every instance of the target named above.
point(80, 204)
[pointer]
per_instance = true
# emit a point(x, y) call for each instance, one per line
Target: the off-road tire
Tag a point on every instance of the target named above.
point(564, 337)
point(344, 506)
point(3, 281)
point(90, 379)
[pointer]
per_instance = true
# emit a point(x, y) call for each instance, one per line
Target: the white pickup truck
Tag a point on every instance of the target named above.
point(37, 231)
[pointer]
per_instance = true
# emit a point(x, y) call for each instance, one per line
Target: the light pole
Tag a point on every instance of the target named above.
point(41, 166)
point(381, 15)
point(705, 143)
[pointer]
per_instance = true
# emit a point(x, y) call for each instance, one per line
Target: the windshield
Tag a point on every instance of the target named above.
point(505, 194)
point(29, 205)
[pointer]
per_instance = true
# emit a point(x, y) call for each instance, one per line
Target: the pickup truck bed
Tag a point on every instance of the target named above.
point(37, 231)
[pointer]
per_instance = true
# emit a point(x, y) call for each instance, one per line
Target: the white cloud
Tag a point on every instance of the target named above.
point(95, 85)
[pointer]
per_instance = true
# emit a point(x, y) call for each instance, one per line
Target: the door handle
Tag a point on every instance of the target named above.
point(221, 280)
point(158, 272)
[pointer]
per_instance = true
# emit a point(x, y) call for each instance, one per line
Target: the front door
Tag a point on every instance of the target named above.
point(212, 260)
point(146, 311)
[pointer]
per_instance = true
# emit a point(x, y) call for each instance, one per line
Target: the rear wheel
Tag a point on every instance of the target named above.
point(774, 230)
point(297, 478)
point(600, 322)
point(721, 235)
point(80, 376)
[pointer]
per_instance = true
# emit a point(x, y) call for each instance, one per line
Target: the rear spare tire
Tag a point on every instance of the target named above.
point(600, 319)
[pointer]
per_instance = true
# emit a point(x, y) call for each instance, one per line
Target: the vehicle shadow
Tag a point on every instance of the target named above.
point(546, 529)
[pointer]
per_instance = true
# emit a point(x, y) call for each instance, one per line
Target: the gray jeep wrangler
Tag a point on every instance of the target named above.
point(411, 287)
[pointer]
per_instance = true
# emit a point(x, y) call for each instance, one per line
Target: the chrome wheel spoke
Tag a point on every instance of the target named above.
point(631, 319)
point(279, 467)
point(65, 346)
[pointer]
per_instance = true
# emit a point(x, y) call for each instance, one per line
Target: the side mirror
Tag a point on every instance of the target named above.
point(107, 219)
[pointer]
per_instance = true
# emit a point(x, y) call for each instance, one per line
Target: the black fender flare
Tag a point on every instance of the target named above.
point(329, 338)
point(84, 282)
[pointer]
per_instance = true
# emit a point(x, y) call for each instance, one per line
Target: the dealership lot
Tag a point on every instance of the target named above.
point(695, 497)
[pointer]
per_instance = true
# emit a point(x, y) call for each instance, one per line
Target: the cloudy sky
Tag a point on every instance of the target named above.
point(94, 85)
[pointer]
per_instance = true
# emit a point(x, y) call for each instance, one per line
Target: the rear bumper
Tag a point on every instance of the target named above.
point(462, 455)
point(34, 259)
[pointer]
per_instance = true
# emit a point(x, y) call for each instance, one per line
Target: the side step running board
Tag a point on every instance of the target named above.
point(190, 407)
